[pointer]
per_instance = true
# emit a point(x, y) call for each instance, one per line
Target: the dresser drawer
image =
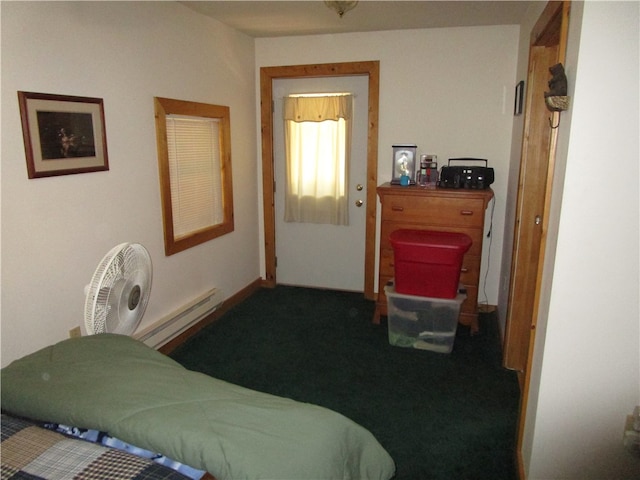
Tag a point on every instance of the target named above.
point(387, 227)
point(470, 271)
point(386, 262)
point(460, 212)
point(470, 305)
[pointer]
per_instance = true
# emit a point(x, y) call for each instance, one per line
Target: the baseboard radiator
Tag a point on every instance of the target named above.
point(177, 322)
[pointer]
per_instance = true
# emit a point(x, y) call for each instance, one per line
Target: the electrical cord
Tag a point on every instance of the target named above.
point(490, 237)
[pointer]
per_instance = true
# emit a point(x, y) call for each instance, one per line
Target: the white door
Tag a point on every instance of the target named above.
point(323, 256)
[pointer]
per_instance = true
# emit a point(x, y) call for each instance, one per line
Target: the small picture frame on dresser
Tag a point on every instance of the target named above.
point(404, 164)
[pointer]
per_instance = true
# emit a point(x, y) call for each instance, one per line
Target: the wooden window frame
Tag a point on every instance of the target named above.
point(167, 106)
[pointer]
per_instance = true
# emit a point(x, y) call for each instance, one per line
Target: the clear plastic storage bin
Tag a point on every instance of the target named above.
point(425, 323)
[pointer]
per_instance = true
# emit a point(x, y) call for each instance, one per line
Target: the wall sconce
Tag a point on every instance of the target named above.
point(341, 7)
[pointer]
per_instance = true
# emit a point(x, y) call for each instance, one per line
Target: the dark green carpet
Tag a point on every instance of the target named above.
point(440, 416)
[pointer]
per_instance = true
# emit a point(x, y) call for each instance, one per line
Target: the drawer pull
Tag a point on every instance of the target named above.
point(397, 208)
point(466, 212)
point(464, 270)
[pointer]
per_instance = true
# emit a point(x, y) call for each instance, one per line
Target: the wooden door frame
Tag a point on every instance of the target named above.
point(551, 30)
point(267, 76)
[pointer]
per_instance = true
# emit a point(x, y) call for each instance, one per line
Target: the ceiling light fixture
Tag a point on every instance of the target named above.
point(341, 7)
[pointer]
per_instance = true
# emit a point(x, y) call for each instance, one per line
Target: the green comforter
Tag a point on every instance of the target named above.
point(116, 384)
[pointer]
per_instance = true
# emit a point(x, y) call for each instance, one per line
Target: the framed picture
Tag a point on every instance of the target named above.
point(519, 99)
point(63, 134)
point(404, 164)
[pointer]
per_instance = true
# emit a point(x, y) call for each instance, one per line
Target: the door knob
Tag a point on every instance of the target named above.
point(359, 203)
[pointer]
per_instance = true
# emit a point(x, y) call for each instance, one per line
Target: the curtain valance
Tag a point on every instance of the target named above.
point(317, 108)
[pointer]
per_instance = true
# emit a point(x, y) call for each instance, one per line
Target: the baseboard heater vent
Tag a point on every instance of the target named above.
point(177, 322)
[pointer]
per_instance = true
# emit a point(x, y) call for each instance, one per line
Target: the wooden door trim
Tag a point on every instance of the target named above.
point(551, 29)
point(548, 26)
point(532, 187)
point(267, 75)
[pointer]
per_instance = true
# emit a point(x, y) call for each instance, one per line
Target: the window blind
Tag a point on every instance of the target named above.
point(195, 173)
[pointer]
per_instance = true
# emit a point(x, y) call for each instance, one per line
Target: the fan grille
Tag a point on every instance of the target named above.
point(119, 290)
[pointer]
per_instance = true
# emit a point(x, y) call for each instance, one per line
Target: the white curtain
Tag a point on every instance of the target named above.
point(317, 145)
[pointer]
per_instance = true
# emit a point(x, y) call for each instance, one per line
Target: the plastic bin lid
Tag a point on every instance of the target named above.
point(430, 238)
point(390, 291)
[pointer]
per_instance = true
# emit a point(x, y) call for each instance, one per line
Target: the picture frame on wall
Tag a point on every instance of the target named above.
point(63, 134)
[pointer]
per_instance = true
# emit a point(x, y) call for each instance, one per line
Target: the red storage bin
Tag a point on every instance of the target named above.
point(428, 263)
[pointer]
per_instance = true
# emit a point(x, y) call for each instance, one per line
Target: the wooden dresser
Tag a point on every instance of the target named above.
point(439, 209)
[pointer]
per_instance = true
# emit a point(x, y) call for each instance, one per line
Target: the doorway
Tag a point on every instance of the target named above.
point(547, 48)
point(322, 255)
point(548, 45)
point(371, 69)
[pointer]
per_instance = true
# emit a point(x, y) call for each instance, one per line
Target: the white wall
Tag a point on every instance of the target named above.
point(56, 230)
point(586, 370)
point(448, 90)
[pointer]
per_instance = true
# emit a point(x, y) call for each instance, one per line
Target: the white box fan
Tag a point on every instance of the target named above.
point(119, 291)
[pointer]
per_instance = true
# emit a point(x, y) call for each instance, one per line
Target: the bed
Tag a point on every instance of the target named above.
point(115, 384)
point(30, 451)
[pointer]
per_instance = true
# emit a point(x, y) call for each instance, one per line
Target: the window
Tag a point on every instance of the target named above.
point(317, 145)
point(194, 160)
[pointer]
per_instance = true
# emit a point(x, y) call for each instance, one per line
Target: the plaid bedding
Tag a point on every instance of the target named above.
point(31, 452)
point(103, 438)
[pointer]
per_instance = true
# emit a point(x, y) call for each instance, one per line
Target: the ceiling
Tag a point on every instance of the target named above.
point(310, 17)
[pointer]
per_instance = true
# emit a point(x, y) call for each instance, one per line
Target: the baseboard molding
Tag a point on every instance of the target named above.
point(520, 465)
point(172, 325)
point(229, 303)
point(485, 308)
